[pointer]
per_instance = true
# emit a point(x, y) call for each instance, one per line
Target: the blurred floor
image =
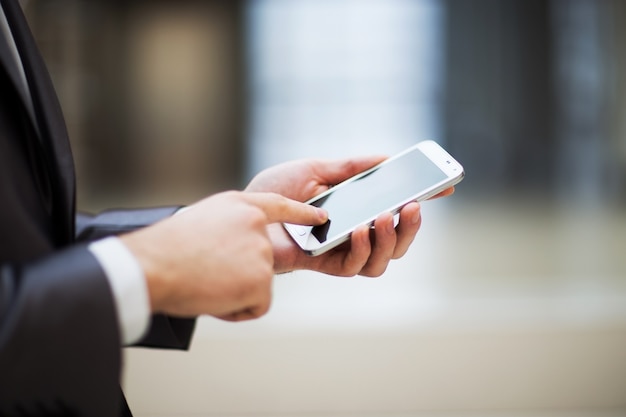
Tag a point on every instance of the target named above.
point(506, 307)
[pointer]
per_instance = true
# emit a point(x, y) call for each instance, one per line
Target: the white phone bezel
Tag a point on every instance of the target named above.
point(441, 158)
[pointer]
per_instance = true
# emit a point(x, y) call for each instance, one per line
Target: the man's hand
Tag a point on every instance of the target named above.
point(216, 258)
point(368, 252)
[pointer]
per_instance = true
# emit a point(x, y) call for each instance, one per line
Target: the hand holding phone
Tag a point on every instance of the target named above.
point(418, 173)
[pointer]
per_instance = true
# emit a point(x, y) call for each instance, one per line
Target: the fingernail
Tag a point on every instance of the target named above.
point(323, 214)
point(416, 217)
point(390, 229)
point(365, 236)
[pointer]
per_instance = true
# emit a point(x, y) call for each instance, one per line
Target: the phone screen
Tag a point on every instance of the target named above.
point(380, 190)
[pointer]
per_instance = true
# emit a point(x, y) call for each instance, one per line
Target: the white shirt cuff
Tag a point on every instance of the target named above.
point(128, 284)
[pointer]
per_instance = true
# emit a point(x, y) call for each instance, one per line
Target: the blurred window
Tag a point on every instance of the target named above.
point(337, 78)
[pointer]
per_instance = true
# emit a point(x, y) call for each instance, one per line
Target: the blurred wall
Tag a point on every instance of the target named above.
point(499, 100)
point(157, 94)
point(335, 79)
point(153, 96)
point(534, 96)
point(513, 294)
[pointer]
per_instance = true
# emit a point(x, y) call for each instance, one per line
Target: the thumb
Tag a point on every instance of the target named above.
point(282, 209)
point(337, 171)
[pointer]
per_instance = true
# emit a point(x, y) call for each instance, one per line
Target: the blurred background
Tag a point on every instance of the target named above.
point(511, 302)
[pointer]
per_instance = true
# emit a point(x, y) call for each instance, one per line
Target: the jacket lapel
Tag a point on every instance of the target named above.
point(48, 120)
point(7, 61)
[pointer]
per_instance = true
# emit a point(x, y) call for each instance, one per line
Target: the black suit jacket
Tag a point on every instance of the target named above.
point(59, 336)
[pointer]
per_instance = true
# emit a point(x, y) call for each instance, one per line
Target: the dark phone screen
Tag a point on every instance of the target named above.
point(381, 190)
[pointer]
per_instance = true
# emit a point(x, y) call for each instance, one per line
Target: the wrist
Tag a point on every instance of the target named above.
point(148, 260)
point(128, 286)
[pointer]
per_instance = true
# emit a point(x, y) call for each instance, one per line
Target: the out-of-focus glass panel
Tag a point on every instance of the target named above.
point(337, 78)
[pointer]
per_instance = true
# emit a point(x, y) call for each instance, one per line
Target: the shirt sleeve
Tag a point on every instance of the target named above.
point(128, 285)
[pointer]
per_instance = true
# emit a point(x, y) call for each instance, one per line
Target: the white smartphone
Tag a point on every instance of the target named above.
point(415, 174)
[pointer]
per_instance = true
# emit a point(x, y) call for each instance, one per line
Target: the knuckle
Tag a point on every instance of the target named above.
point(350, 166)
point(344, 273)
point(266, 250)
point(352, 270)
point(266, 274)
point(262, 309)
point(262, 290)
point(230, 194)
point(275, 196)
point(374, 272)
point(279, 202)
point(399, 253)
point(255, 216)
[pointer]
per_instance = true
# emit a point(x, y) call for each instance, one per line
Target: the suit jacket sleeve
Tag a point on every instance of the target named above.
point(164, 332)
point(59, 338)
